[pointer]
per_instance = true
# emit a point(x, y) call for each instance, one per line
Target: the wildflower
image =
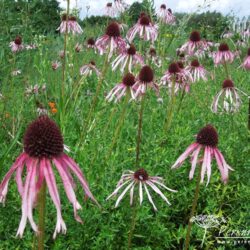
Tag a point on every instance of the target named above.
point(123, 88)
point(127, 59)
point(245, 34)
point(120, 6)
point(166, 15)
point(176, 77)
point(153, 57)
point(246, 63)
point(194, 43)
point(88, 69)
point(61, 54)
point(197, 71)
point(78, 47)
point(145, 29)
point(91, 43)
point(30, 46)
point(206, 145)
point(228, 99)
point(111, 41)
point(145, 80)
point(223, 55)
point(54, 110)
point(43, 151)
point(142, 180)
point(55, 65)
point(227, 34)
point(16, 45)
point(71, 25)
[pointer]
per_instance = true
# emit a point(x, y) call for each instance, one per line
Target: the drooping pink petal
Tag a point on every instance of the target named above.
point(149, 197)
point(204, 164)
point(209, 154)
point(4, 185)
point(123, 193)
point(51, 183)
point(19, 180)
point(68, 188)
point(184, 156)
point(194, 162)
point(77, 171)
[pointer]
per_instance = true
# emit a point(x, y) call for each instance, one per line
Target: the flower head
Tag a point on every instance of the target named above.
point(145, 80)
point(127, 58)
point(70, 25)
point(123, 88)
point(166, 15)
point(144, 28)
point(88, 69)
point(55, 65)
point(110, 10)
point(43, 151)
point(197, 71)
point(246, 63)
point(205, 147)
point(223, 54)
point(141, 179)
point(16, 45)
point(228, 99)
point(111, 41)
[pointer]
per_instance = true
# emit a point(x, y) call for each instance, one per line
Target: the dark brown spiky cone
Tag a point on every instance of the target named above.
point(18, 40)
point(43, 138)
point(113, 30)
point(131, 50)
point(195, 36)
point(91, 41)
point(248, 52)
point(195, 63)
point(228, 84)
point(146, 74)
point(173, 68)
point(163, 6)
point(144, 20)
point(128, 80)
point(223, 47)
point(141, 175)
point(207, 136)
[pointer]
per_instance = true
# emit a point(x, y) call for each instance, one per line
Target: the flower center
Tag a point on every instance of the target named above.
point(144, 20)
point(195, 63)
point(223, 47)
point(64, 17)
point(141, 175)
point(152, 52)
point(207, 136)
point(113, 30)
point(43, 138)
point(91, 41)
point(146, 74)
point(169, 10)
point(109, 5)
point(195, 36)
point(163, 6)
point(92, 62)
point(248, 52)
point(72, 18)
point(173, 68)
point(129, 80)
point(227, 84)
point(131, 50)
point(18, 40)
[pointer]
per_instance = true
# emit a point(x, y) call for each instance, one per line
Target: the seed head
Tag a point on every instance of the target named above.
point(227, 84)
point(113, 30)
point(91, 41)
point(195, 36)
point(248, 52)
point(141, 175)
point(223, 47)
point(144, 20)
point(173, 68)
point(43, 138)
point(131, 50)
point(163, 6)
point(195, 63)
point(18, 40)
point(146, 74)
point(128, 80)
point(207, 136)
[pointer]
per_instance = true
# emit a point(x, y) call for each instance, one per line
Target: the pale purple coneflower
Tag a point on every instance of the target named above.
point(110, 10)
point(111, 41)
point(127, 58)
point(227, 100)
point(197, 71)
point(145, 80)
point(88, 69)
point(223, 55)
point(120, 6)
point(140, 178)
point(121, 89)
point(16, 45)
point(43, 151)
point(55, 65)
point(152, 55)
point(245, 34)
point(206, 147)
point(227, 34)
point(194, 43)
point(73, 26)
point(166, 15)
point(246, 62)
point(177, 76)
point(144, 28)
point(78, 47)
point(241, 43)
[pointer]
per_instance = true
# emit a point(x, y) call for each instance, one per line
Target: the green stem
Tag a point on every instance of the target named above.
point(194, 205)
point(139, 132)
point(132, 226)
point(171, 109)
point(41, 211)
point(226, 70)
point(249, 113)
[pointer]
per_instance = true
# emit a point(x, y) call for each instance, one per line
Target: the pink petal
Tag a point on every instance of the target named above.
point(194, 162)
